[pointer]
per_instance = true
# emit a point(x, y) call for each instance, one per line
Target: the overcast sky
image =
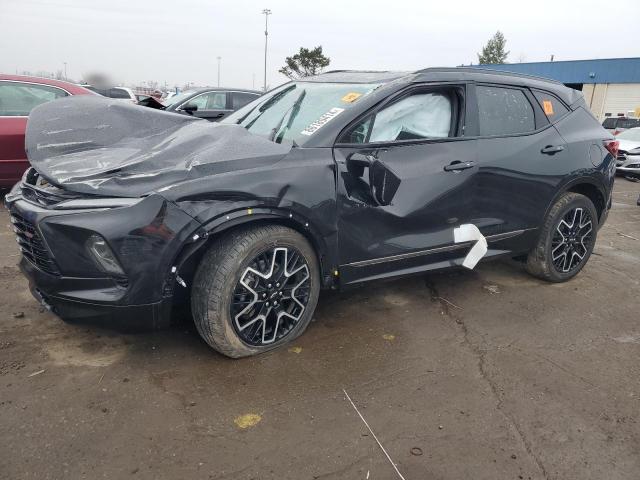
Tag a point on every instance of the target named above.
point(178, 41)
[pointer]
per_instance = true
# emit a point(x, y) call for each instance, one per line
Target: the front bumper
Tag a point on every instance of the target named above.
point(145, 237)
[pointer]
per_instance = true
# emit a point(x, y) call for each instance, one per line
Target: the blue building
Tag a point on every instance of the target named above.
point(611, 86)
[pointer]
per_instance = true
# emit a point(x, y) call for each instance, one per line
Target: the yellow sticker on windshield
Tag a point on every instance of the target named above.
point(548, 107)
point(351, 97)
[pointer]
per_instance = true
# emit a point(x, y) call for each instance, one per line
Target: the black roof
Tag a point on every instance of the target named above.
point(443, 74)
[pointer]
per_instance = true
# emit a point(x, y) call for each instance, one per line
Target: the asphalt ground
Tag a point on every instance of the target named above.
point(483, 374)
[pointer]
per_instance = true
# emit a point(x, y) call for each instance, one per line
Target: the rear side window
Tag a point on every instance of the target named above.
point(610, 122)
point(552, 107)
point(240, 99)
point(628, 122)
point(18, 99)
point(504, 111)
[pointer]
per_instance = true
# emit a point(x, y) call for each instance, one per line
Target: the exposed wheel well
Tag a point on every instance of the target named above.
point(592, 193)
point(190, 265)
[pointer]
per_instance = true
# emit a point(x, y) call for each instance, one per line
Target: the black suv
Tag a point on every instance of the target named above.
point(325, 182)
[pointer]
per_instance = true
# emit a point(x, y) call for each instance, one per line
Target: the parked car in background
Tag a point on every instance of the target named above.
point(325, 182)
point(212, 104)
point(616, 125)
point(628, 161)
point(119, 93)
point(18, 95)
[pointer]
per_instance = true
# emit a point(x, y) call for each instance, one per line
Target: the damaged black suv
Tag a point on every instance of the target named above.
point(324, 182)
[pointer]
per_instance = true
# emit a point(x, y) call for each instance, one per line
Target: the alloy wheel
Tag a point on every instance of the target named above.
point(572, 240)
point(271, 296)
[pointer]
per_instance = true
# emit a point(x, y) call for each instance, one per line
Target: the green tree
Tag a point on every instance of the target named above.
point(494, 51)
point(305, 63)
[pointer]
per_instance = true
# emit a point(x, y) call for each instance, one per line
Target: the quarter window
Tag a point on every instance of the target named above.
point(18, 99)
point(504, 111)
point(552, 107)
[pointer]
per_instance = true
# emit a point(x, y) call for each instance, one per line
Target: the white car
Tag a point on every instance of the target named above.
point(118, 93)
point(628, 161)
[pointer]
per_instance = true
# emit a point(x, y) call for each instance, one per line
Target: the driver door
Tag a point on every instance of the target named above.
point(405, 181)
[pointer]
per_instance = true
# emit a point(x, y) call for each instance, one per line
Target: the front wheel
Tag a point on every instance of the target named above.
point(566, 241)
point(255, 289)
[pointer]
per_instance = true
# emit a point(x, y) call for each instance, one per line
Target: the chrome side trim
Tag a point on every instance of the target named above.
point(431, 251)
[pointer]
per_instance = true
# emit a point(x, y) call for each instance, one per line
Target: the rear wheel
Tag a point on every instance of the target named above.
point(566, 241)
point(255, 290)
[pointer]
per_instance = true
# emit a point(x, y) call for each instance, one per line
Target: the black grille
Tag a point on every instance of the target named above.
point(32, 245)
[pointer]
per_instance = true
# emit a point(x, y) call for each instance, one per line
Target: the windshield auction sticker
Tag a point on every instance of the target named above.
point(351, 97)
point(322, 121)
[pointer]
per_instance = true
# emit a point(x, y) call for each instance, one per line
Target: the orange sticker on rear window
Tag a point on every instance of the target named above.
point(351, 97)
point(548, 107)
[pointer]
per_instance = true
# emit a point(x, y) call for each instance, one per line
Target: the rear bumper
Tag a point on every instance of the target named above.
point(54, 293)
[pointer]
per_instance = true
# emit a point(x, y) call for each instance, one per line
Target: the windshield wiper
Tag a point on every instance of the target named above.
point(295, 108)
point(266, 105)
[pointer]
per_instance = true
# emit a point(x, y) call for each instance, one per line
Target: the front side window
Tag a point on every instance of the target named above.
point(210, 101)
point(18, 99)
point(423, 115)
point(420, 116)
point(296, 111)
point(504, 111)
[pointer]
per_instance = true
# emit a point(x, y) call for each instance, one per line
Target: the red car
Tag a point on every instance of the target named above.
point(18, 95)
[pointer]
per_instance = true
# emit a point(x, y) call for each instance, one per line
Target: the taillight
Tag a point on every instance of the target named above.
point(612, 147)
point(616, 132)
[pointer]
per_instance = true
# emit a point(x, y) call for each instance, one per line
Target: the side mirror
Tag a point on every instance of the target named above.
point(189, 108)
point(384, 183)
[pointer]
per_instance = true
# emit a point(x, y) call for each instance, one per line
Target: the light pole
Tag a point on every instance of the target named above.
point(219, 58)
point(266, 13)
point(65, 70)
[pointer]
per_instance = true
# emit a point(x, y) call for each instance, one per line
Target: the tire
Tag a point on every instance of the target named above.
point(560, 254)
point(229, 314)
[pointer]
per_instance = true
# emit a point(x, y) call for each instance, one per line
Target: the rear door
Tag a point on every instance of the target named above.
point(404, 178)
point(521, 160)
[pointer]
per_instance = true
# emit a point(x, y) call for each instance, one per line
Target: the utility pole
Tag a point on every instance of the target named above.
point(65, 70)
point(266, 12)
point(219, 58)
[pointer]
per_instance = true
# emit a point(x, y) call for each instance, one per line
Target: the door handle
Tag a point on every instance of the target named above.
point(217, 115)
point(552, 149)
point(457, 165)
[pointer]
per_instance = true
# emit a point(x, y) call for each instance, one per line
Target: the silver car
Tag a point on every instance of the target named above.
point(628, 161)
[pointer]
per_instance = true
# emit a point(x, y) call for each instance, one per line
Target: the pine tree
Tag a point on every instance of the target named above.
point(494, 51)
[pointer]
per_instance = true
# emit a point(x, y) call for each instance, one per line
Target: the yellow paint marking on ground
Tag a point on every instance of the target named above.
point(388, 336)
point(247, 420)
point(295, 349)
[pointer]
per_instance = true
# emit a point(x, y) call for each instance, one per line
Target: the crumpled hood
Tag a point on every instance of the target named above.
point(95, 145)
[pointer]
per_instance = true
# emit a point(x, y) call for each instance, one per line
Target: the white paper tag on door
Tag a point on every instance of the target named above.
point(468, 232)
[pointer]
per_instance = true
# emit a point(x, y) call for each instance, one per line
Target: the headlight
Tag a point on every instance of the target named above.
point(83, 203)
point(103, 255)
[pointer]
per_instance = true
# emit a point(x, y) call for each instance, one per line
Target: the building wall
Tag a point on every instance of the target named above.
point(613, 98)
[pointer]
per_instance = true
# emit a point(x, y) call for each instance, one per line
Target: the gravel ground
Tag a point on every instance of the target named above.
point(484, 374)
